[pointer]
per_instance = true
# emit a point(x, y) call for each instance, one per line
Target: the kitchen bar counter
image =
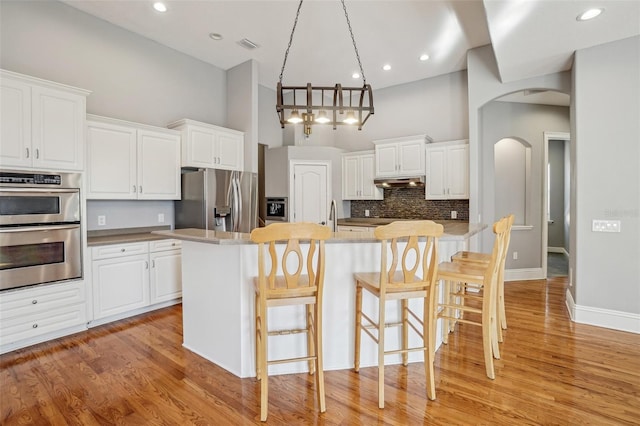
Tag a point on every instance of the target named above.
point(218, 269)
point(453, 230)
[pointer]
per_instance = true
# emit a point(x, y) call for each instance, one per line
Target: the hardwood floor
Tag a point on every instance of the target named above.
point(136, 372)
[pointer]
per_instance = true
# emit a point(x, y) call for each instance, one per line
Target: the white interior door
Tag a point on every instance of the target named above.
point(311, 191)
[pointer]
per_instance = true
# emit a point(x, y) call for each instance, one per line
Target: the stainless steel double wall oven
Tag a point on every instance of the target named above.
point(40, 238)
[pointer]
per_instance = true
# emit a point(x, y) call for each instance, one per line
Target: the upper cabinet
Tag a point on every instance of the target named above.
point(208, 146)
point(447, 170)
point(128, 161)
point(358, 171)
point(42, 123)
point(400, 156)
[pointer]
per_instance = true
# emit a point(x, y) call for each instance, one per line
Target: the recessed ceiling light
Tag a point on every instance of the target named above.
point(589, 14)
point(215, 36)
point(159, 6)
point(386, 67)
point(424, 57)
point(355, 75)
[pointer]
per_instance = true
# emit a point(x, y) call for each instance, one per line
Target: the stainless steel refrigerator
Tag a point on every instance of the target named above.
point(219, 200)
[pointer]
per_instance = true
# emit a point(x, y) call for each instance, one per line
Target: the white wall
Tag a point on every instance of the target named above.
point(242, 108)
point(269, 130)
point(128, 213)
point(131, 77)
point(607, 183)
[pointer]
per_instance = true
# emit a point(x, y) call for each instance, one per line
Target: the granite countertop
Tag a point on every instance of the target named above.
point(125, 235)
point(453, 230)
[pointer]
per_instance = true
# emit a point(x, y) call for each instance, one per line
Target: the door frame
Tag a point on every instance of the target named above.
point(548, 136)
point(291, 191)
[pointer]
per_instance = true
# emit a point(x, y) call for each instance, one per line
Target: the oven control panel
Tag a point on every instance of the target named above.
point(30, 179)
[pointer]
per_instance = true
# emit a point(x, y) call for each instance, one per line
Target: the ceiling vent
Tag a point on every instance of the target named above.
point(248, 44)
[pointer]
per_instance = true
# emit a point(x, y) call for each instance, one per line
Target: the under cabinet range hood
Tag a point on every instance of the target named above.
point(400, 182)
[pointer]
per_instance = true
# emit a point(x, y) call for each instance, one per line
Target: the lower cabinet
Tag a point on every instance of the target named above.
point(133, 277)
point(343, 228)
point(35, 314)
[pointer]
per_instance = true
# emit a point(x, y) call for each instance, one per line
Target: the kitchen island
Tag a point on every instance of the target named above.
point(218, 299)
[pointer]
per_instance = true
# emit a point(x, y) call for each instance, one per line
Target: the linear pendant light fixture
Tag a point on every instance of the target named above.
point(311, 114)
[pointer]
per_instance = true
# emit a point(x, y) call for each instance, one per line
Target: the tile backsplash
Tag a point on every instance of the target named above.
point(409, 203)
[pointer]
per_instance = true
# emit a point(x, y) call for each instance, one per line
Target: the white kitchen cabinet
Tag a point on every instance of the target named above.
point(132, 278)
point(166, 270)
point(128, 161)
point(39, 313)
point(447, 167)
point(358, 171)
point(42, 124)
point(120, 280)
point(399, 156)
point(209, 146)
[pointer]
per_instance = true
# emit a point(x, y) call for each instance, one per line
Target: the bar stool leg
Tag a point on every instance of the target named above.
point(381, 321)
point(317, 327)
point(311, 351)
point(404, 307)
point(356, 361)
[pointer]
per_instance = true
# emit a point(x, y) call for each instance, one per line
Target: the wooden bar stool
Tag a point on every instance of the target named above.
point(482, 259)
point(457, 277)
point(295, 287)
point(411, 281)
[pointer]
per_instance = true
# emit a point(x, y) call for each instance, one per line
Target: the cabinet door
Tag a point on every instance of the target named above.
point(436, 188)
point(166, 276)
point(15, 123)
point(200, 145)
point(229, 151)
point(386, 160)
point(120, 284)
point(111, 162)
point(350, 177)
point(368, 190)
point(57, 129)
point(411, 158)
point(158, 166)
point(458, 172)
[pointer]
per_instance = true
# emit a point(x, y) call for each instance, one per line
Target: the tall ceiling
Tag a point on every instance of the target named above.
point(529, 37)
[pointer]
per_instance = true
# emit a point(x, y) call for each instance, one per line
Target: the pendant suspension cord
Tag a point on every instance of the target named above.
point(346, 15)
point(293, 30)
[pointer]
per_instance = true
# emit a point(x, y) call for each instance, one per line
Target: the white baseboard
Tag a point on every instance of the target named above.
point(607, 318)
point(571, 305)
point(524, 274)
point(557, 250)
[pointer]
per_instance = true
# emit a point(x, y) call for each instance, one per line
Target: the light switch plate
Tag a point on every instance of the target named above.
point(605, 225)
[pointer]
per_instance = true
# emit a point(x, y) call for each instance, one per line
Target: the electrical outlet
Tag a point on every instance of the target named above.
point(515, 255)
point(366, 213)
point(160, 217)
point(102, 220)
point(454, 214)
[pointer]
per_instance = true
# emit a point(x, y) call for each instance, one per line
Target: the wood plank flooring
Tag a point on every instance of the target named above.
point(135, 372)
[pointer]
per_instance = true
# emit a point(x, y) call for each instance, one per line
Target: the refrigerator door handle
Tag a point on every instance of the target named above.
point(237, 203)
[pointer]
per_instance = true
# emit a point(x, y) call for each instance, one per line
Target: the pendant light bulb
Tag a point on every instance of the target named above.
point(295, 117)
point(322, 117)
point(350, 118)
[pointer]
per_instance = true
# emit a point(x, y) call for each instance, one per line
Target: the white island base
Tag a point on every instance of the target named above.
point(218, 302)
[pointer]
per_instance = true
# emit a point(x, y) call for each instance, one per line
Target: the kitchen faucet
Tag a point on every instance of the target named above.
point(333, 215)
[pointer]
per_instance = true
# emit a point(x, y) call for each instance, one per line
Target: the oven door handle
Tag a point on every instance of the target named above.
point(39, 228)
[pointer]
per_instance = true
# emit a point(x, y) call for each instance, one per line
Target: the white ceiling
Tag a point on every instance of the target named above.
point(530, 37)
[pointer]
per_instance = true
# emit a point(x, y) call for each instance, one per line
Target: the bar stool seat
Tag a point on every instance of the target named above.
point(410, 281)
point(290, 287)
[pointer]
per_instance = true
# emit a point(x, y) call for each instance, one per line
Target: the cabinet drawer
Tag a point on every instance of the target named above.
point(119, 250)
point(355, 228)
point(28, 326)
point(29, 301)
point(162, 245)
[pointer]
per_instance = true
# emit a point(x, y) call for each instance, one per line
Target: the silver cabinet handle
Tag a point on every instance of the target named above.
point(146, 265)
point(134, 188)
point(35, 325)
point(153, 263)
point(37, 153)
point(27, 149)
point(34, 301)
